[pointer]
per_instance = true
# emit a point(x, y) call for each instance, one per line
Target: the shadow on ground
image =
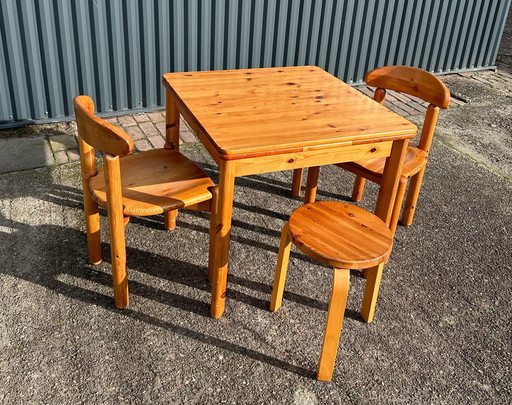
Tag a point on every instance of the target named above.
point(441, 332)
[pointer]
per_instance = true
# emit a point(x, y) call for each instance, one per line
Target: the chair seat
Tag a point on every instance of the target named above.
point(156, 181)
point(414, 160)
point(341, 235)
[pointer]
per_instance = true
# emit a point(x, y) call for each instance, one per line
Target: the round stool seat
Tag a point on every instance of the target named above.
point(340, 235)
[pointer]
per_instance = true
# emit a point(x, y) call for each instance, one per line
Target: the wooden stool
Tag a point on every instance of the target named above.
point(345, 237)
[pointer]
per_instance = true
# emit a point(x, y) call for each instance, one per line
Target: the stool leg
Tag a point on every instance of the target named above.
point(334, 323)
point(282, 266)
point(373, 276)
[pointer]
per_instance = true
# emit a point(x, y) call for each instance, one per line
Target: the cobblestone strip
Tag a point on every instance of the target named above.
point(148, 129)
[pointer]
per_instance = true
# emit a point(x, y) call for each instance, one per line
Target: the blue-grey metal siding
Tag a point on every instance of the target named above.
point(117, 50)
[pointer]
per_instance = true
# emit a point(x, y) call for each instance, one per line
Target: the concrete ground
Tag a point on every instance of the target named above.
point(442, 330)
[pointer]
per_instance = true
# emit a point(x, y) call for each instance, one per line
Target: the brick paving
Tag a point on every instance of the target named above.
point(148, 129)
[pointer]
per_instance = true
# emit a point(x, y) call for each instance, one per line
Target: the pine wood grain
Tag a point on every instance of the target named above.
point(340, 235)
point(157, 181)
point(411, 80)
point(98, 133)
point(254, 110)
point(281, 268)
point(116, 231)
point(334, 323)
point(221, 237)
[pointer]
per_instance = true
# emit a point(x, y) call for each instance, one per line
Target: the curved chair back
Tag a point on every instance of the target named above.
point(415, 82)
point(99, 133)
point(411, 80)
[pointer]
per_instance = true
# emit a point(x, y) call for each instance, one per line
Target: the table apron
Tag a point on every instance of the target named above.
point(199, 133)
point(310, 158)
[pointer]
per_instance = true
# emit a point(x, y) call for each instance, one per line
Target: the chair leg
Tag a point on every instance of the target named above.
point(412, 197)
point(170, 219)
point(334, 323)
point(373, 277)
point(297, 182)
point(399, 198)
point(311, 184)
point(118, 254)
point(116, 230)
point(357, 190)
point(282, 266)
point(92, 225)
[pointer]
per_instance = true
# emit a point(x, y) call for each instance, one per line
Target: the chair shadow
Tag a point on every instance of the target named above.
point(287, 295)
point(72, 197)
point(53, 274)
point(183, 272)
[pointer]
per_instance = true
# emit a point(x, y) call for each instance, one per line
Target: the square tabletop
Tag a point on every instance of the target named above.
point(254, 112)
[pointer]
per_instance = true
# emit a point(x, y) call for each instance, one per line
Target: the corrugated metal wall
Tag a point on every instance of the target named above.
point(117, 50)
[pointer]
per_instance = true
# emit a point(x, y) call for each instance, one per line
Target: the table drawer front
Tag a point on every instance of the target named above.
point(308, 158)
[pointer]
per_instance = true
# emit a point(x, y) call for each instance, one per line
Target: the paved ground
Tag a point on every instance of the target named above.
point(442, 332)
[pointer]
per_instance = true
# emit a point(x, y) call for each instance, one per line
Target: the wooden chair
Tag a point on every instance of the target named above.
point(148, 183)
point(345, 237)
point(415, 82)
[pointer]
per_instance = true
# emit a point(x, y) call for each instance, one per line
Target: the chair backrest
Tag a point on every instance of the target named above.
point(93, 132)
point(415, 82)
point(98, 133)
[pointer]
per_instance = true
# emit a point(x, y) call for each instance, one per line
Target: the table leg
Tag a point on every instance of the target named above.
point(390, 180)
point(172, 141)
point(172, 123)
point(222, 237)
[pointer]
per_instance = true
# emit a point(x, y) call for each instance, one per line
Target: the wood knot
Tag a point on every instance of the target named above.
point(291, 160)
point(373, 150)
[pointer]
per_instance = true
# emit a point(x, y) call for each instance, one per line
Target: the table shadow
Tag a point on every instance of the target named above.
point(57, 271)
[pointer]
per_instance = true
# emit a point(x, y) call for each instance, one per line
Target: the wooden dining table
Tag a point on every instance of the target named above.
point(263, 120)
